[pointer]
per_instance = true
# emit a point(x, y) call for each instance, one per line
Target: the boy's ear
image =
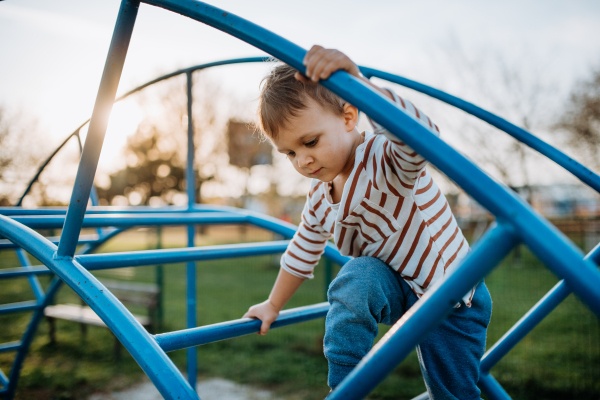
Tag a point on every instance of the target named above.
point(350, 116)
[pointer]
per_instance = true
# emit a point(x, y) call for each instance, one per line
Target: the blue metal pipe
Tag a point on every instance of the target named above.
point(28, 336)
point(44, 164)
point(94, 262)
point(426, 314)
point(580, 171)
point(217, 217)
point(17, 211)
point(135, 90)
point(10, 346)
point(226, 330)
point(171, 256)
point(530, 320)
point(83, 239)
point(18, 307)
point(105, 235)
point(191, 321)
point(138, 342)
point(97, 128)
point(544, 240)
point(492, 388)
point(38, 292)
point(129, 220)
point(3, 379)
point(37, 317)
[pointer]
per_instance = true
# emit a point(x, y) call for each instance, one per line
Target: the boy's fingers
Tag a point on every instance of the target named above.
point(264, 328)
point(312, 60)
point(325, 63)
point(335, 63)
point(315, 49)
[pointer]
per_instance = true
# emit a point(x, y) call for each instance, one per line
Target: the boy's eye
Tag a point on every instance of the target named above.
point(291, 154)
point(311, 143)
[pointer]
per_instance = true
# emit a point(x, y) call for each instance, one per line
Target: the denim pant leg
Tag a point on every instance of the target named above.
point(365, 292)
point(450, 354)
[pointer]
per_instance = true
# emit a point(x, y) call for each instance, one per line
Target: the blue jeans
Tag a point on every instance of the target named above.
point(367, 292)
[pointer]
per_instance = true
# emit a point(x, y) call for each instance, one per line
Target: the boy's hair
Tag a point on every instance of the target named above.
point(282, 97)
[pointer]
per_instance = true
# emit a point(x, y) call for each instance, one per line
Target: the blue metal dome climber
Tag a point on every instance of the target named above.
point(516, 223)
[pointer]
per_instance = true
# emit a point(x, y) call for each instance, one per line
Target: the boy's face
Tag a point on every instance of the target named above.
point(319, 143)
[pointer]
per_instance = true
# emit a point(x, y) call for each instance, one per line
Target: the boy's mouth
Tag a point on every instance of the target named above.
point(316, 172)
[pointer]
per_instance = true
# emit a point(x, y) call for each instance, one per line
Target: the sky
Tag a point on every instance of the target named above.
point(52, 53)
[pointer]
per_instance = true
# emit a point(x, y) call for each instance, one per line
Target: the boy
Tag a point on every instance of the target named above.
point(375, 196)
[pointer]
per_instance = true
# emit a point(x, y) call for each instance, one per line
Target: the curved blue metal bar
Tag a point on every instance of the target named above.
point(531, 319)
point(187, 338)
point(550, 245)
point(187, 71)
point(140, 344)
point(44, 164)
point(23, 346)
point(426, 314)
point(545, 241)
point(580, 171)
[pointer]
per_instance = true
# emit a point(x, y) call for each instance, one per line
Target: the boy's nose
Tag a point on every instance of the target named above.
point(304, 161)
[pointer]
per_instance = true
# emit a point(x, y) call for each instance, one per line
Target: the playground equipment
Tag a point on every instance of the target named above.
point(516, 223)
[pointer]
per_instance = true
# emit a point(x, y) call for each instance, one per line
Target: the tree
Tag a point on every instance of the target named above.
point(19, 154)
point(156, 152)
point(580, 122)
point(510, 88)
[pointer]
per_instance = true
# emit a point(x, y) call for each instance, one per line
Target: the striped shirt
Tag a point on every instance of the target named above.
point(390, 209)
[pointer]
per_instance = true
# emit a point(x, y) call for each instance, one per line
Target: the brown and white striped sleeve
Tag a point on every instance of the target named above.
point(307, 245)
point(405, 160)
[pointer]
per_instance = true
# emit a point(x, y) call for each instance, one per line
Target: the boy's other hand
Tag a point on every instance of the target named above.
point(321, 63)
point(264, 311)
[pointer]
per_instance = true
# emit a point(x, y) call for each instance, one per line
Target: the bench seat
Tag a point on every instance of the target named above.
point(83, 315)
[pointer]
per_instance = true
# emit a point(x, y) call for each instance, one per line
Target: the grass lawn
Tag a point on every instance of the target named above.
point(559, 359)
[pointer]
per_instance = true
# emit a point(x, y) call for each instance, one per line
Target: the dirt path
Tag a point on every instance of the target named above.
point(210, 389)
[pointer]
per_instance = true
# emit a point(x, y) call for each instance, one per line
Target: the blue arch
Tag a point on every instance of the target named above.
point(516, 220)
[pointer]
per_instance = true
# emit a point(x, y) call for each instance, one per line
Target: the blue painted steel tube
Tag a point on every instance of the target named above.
point(530, 320)
point(426, 314)
point(18, 307)
point(97, 128)
point(128, 220)
point(18, 211)
point(38, 292)
point(192, 354)
point(94, 262)
point(138, 342)
point(28, 336)
point(43, 166)
point(170, 256)
point(135, 90)
point(10, 346)
point(3, 379)
point(545, 241)
point(580, 171)
point(37, 317)
point(83, 239)
point(492, 388)
point(226, 330)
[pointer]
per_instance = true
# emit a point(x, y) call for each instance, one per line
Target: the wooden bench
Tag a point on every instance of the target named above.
point(144, 294)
